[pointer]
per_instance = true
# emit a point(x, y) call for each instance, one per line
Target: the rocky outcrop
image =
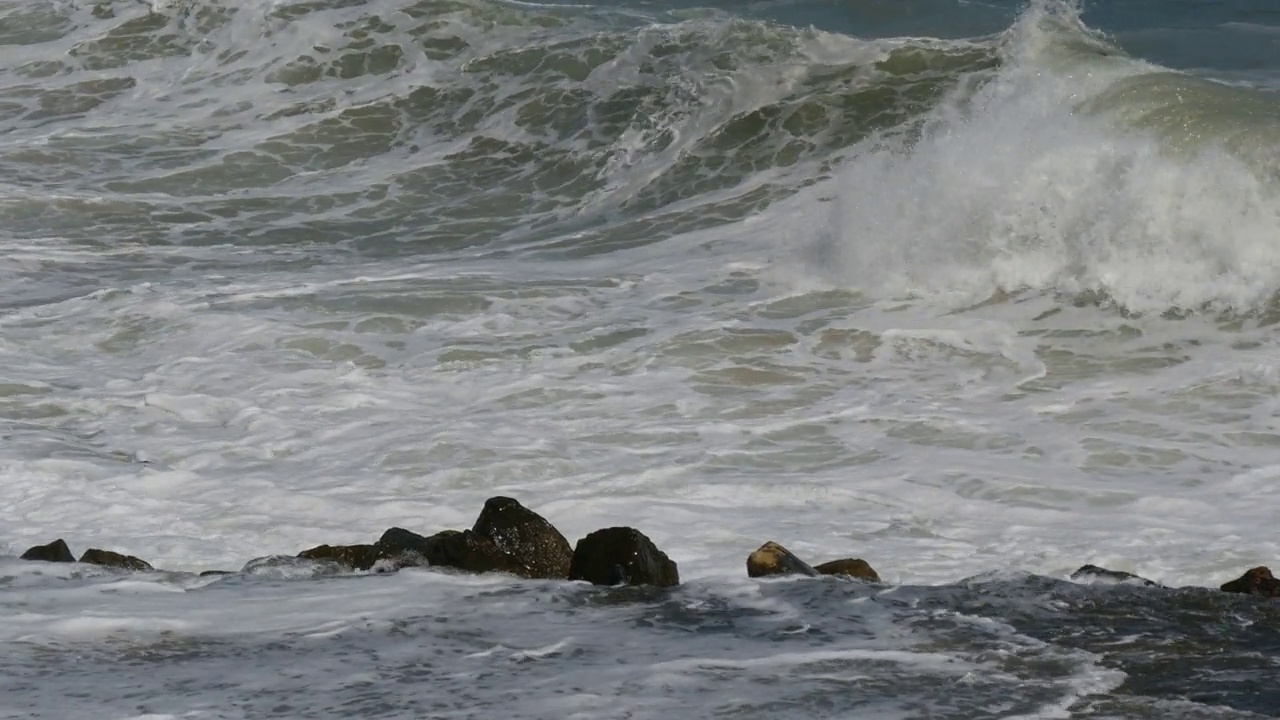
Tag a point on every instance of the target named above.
point(106, 558)
point(773, 559)
point(56, 551)
point(1258, 581)
point(356, 557)
point(622, 556)
point(1093, 574)
point(855, 568)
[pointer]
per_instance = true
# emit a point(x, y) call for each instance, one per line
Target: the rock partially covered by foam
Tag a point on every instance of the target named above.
point(622, 556)
point(773, 559)
point(855, 568)
point(1094, 574)
point(1258, 581)
point(56, 551)
point(356, 557)
point(107, 558)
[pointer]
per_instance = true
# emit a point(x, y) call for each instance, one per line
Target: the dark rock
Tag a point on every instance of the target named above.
point(1093, 573)
point(106, 558)
point(209, 573)
point(622, 556)
point(509, 537)
point(56, 551)
point(773, 559)
point(856, 568)
point(403, 548)
point(1258, 581)
point(357, 557)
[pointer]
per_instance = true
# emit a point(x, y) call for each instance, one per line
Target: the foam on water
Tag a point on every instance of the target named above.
point(1072, 171)
point(953, 306)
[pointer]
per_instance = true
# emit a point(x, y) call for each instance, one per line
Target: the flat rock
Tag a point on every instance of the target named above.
point(1258, 581)
point(622, 556)
point(855, 568)
point(56, 551)
point(107, 558)
point(356, 557)
point(773, 559)
point(1093, 573)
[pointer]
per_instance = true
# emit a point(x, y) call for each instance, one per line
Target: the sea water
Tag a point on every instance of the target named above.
point(977, 291)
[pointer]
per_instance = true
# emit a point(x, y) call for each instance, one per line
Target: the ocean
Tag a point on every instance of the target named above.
point(978, 291)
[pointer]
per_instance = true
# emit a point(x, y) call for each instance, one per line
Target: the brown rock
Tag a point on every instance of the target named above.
point(1258, 581)
point(856, 568)
point(622, 556)
point(106, 558)
point(357, 557)
point(56, 551)
point(773, 559)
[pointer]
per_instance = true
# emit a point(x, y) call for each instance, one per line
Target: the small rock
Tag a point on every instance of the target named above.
point(56, 551)
point(622, 556)
point(212, 573)
point(1093, 573)
point(106, 558)
point(773, 559)
point(1258, 581)
point(357, 557)
point(856, 568)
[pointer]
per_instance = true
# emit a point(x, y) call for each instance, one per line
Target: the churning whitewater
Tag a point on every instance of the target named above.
point(979, 292)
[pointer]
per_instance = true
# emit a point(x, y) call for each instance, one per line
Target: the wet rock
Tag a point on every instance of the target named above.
point(106, 558)
point(1258, 581)
point(512, 538)
point(1093, 573)
point(399, 548)
point(622, 556)
point(211, 573)
point(56, 551)
point(855, 568)
point(356, 557)
point(773, 559)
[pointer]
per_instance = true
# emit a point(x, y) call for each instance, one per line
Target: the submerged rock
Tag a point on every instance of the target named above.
point(106, 558)
point(1258, 581)
point(622, 556)
point(773, 559)
point(56, 551)
point(285, 567)
point(356, 557)
point(856, 568)
point(1093, 573)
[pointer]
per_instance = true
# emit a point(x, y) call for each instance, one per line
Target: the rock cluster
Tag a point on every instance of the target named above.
point(58, 551)
point(509, 538)
point(773, 559)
